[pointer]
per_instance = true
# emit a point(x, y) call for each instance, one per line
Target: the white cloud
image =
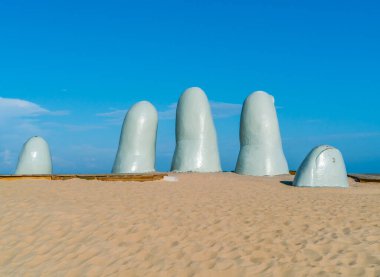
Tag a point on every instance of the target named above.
point(219, 110)
point(20, 119)
point(82, 128)
point(169, 112)
point(356, 135)
point(224, 110)
point(114, 117)
point(12, 107)
point(334, 137)
point(6, 157)
point(16, 108)
point(113, 113)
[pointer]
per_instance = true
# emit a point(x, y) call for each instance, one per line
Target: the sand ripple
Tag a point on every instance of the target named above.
point(204, 225)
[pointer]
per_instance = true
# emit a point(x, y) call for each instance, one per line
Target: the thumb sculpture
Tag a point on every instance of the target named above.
point(137, 145)
point(260, 140)
point(34, 158)
point(196, 141)
point(322, 167)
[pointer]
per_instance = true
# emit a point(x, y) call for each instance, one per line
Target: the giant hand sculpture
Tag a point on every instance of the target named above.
point(196, 141)
point(34, 158)
point(260, 140)
point(137, 145)
point(322, 167)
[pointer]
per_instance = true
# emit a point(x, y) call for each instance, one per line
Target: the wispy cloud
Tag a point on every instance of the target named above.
point(22, 117)
point(168, 113)
point(6, 157)
point(219, 110)
point(336, 136)
point(12, 107)
point(114, 117)
point(224, 110)
point(355, 135)
point(16, 108)
point(113, 113)
point(82, 127)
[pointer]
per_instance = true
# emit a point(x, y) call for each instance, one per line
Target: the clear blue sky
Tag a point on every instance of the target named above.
point(69, 70)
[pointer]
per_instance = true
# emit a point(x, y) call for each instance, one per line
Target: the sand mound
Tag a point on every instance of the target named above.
point(218, 224)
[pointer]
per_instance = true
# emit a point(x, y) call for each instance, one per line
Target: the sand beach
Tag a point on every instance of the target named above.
point(212, 224)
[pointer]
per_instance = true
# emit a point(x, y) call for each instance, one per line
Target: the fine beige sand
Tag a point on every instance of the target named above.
point(203, 225)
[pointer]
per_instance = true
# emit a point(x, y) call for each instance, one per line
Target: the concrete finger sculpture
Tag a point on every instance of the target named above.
point(196, 140)
point(323, 167)
point(137, 145)
point(260, 140)
point(34, 158)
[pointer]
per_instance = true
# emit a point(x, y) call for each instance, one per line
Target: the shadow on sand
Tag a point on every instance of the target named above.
point(288, 183)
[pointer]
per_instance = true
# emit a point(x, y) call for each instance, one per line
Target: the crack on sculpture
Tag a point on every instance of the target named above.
point(34, 157)
point(261, 150)
point(323, 167)
point(196, 140)
point(137, 146)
